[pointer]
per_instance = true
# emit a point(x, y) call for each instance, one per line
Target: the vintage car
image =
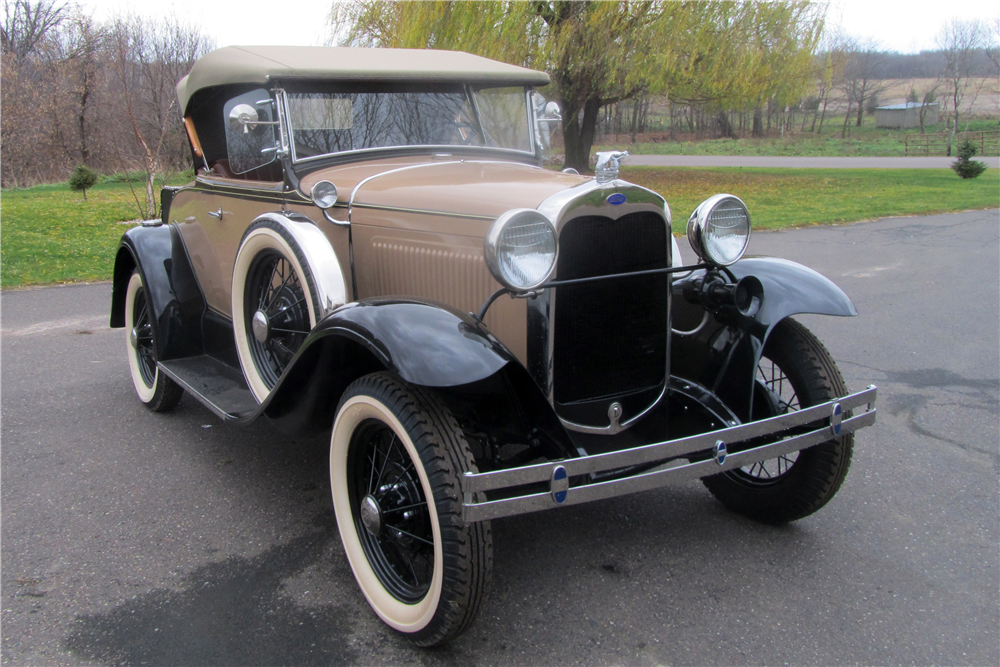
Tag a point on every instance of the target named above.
point(371, 247)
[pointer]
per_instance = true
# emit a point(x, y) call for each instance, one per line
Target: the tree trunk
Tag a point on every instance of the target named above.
point(847, 118)
point(725, 127)
point(758, 122)
point(578, 134)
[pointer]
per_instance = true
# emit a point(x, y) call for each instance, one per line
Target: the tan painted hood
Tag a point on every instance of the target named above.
point(453, 187)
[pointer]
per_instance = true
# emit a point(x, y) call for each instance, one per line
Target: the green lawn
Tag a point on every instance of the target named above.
point(866, 141)
point(779, 198)
point(49, 234)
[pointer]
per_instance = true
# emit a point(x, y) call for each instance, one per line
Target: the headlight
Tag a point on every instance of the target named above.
point(324, 194)
point(520, 249)
point(719, 229)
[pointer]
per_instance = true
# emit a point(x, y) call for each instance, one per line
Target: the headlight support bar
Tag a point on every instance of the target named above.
point(580, 281)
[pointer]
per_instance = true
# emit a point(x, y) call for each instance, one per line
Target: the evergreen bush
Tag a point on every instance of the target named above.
point(965, 166)
point(82, 178)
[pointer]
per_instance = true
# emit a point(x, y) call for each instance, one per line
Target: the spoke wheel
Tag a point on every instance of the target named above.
point(392, 518)
point(397, 456)
point(774, 395)
point(158, 392)
point(796, 371)
point(276, 313)
point(274, 304)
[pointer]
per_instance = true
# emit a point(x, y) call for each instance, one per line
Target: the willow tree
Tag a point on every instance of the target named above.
point(599, 53)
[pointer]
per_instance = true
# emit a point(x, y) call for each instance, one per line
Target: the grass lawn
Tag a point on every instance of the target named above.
point(780, 198)
point(49, 234)
point(864, 141)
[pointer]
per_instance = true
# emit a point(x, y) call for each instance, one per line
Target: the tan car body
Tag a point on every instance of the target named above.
point(418, 227)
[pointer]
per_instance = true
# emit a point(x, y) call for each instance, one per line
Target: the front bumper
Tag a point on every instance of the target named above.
point(825, 418)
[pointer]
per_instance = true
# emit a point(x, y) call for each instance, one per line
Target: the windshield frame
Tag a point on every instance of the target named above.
point(533, 155)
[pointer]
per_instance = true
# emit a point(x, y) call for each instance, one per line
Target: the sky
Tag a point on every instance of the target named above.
point(907, 26)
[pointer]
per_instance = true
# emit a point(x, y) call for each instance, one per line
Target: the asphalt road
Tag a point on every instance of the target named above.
point(130, 537)
point(799, 162)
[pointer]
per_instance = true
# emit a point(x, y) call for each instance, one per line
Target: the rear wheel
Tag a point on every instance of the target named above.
point(158, 392)
point(396, 460)
point(795, 372)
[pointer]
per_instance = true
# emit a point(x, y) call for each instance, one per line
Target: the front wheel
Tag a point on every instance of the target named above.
point(795, 372)
point(274, 304)
point(396, 460)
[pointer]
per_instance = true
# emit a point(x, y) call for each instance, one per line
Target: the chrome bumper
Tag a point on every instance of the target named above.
point(675, 468)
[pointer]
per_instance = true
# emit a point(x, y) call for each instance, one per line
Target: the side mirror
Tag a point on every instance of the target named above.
point(243, 117)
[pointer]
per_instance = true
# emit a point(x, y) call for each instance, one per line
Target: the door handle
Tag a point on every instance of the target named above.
point(216, 214)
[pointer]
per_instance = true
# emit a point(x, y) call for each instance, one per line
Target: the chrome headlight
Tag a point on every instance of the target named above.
point(520, 249)
point(324, 194)
point(719, 229)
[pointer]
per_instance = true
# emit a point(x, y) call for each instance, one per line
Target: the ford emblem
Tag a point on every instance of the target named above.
point(616, 199)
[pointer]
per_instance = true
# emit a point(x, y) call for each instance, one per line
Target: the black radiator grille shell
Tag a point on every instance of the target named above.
point(610, 336)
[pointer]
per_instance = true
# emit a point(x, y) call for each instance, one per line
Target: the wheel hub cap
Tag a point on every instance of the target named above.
point(371, 515)
point(261, 326)
point(133, 339)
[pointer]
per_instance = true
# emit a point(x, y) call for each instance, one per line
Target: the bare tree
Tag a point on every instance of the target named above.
point(960, 41)
point(930, 96)
point(863, 76)
point(146, 63)
point(26, 23)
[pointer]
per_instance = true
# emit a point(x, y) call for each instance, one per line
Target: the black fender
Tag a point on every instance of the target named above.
point(427, 344)
point(723, 354)
point(172, 290)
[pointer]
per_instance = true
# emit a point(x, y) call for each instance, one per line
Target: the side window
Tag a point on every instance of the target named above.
point(250, 129)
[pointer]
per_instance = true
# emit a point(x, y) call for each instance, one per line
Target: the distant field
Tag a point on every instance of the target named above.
point(864, 141)
point(49, 234)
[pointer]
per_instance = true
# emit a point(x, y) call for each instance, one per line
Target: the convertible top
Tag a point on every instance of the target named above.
point(260, 64)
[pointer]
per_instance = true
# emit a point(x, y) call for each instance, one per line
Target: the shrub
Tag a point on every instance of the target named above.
point(964, 166)
point(82, 178)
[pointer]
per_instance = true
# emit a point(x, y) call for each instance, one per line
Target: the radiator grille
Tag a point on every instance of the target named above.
point(610, 336)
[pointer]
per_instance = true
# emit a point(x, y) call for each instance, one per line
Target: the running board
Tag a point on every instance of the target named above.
point(218, 386)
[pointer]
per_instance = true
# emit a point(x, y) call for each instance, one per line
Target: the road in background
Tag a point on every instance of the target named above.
point(799, 162)
point(131, 537)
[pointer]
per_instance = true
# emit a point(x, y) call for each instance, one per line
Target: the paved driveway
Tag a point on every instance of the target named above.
point(130, 537)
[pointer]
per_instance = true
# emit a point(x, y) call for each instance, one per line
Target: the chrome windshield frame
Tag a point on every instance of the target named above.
point(288, 134)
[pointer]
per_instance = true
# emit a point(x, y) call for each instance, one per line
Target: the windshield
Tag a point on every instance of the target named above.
point(350, 118)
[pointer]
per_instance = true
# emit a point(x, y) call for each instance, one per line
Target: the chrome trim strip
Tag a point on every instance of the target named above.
point(365, 181)
point(421, 211)
point(613, 428)
point(662, 451)
point(220, 182)
point(560, 208)
point(670, 471)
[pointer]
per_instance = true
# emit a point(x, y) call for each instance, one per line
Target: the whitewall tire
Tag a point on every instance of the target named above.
point(422, 569)
point(274, 304)
point(157, 391)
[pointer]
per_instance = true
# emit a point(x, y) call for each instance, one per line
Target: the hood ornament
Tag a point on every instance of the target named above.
point(608, 163)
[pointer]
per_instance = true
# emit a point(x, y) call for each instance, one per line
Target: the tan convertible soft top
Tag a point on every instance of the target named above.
point(259, 64)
